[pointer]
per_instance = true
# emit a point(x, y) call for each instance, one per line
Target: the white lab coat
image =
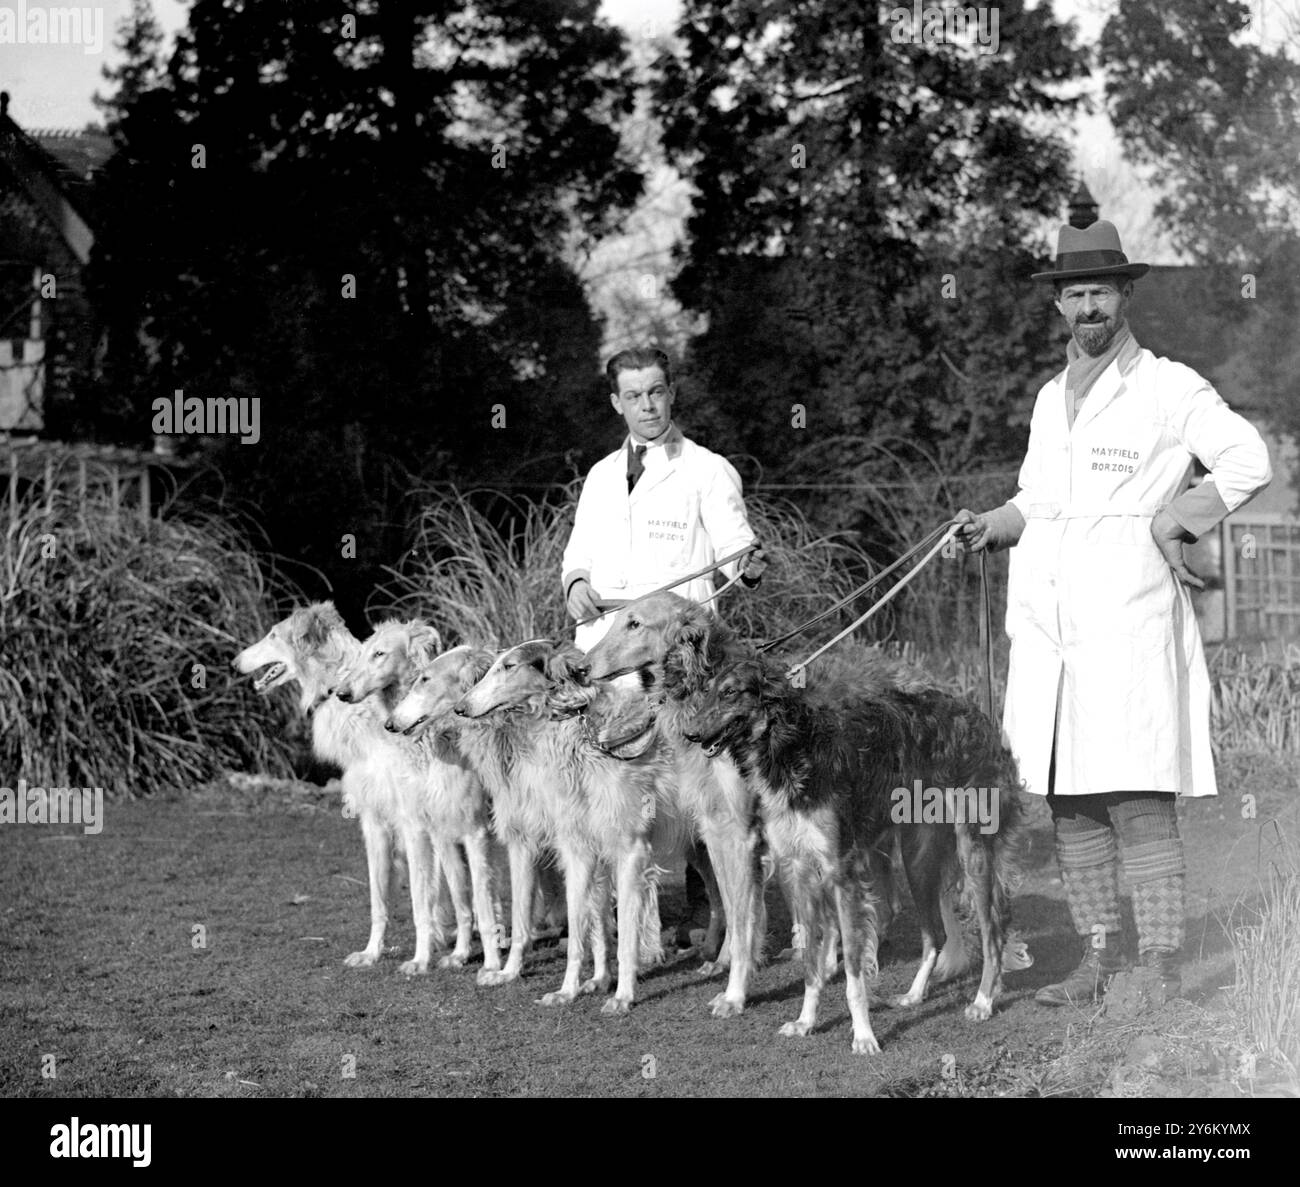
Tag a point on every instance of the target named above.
point(685, 511)
point(1094, 613)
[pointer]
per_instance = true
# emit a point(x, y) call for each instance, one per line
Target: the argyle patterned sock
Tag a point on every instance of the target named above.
point(1091, 874)
point(1160, 913)
point(1155, 872)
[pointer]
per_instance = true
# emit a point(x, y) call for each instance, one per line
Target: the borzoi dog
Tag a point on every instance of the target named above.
point(314, 647)
point(601, 812)
point(672, 647)
point(437, 803)
point(826, 781)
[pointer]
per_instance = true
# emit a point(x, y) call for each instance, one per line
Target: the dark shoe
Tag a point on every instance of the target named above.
point(1160, 974)
point(1088, 982)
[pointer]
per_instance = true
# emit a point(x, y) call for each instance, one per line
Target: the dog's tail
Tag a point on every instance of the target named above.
point(650, 942)
point(1009, 852)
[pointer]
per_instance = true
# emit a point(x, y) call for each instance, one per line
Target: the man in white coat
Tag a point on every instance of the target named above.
point(1108, 697)
point(657, 508)
point(660, 506)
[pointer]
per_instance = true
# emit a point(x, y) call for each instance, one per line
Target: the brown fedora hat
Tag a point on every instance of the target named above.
point(1092, 251)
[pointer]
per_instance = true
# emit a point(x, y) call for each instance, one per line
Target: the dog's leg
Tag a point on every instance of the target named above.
point(698, 856)
point(550, 910)
point(482, 883)
point(731, 852)
point(444, 910)
point(923, 864)
point(954, 959)
point(420, 870)
point(600, 910)
point(857, 914)
point(380, 866)
point(977, 862)
point(458, 882)
point(631, 892)
point(579, 873)
point(523, 881)
point(813, 932)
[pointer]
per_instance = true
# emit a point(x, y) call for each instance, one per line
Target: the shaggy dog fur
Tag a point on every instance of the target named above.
point(825, 778)
point(602, 807)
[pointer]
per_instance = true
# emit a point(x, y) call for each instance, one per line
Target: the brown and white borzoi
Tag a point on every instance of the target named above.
point(826, 780)
point(671, 647)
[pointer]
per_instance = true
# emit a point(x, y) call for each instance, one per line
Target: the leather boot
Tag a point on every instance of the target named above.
point(1087, 983)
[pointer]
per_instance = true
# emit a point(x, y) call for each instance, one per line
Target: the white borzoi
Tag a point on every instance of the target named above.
point(440, 806)
point(603, 808)
point(313, 647)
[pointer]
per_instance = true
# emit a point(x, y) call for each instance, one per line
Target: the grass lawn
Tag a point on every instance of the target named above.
point(101, 968)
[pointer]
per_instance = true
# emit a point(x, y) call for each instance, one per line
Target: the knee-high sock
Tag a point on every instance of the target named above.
point(1155, 869)
point(1090, 871)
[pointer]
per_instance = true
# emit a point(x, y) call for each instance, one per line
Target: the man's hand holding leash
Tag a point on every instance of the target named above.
point(992, 530)
point(582, 600)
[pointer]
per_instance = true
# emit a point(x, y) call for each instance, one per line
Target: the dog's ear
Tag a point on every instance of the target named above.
point(684, 663)
point(425, 643)
point(566, 663)
point(477, 662)
point(313, 628)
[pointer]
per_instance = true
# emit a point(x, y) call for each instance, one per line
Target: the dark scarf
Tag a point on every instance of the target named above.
point(1083, 370)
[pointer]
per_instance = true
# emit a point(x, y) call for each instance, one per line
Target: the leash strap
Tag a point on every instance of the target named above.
point(986, 631)
point(879, 605)
point(864, 588)
point(718, 564)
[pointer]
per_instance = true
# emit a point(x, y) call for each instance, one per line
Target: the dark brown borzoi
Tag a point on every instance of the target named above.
point(827, 779)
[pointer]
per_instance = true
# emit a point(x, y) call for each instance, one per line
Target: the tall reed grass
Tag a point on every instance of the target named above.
point(115, 642)
point(1266, 957)
point(1255, 699)
point(486, 567)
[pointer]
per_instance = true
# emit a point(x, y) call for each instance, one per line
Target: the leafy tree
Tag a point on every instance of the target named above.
point(362, 217)
point(1193, 93)
point(868, 213)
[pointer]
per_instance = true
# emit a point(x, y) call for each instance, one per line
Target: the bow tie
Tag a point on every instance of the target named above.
point(635, 466)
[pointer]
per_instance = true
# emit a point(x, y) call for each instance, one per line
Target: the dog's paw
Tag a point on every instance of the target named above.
point(453, 960)
point(361, 960)
point(558, 997)
point(492, 977)
point(865, 1045)
point(413, 968)
point(905, 1001)
point(980, 1010)
point(711, 968)
point(615, 1006)
point(795, 1029)
point(723, 1007)
point(594, 985)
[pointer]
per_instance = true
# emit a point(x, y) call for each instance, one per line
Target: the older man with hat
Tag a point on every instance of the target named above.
point(1108, 697)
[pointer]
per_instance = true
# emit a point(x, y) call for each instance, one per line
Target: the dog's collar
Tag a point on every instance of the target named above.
point(611, 748)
